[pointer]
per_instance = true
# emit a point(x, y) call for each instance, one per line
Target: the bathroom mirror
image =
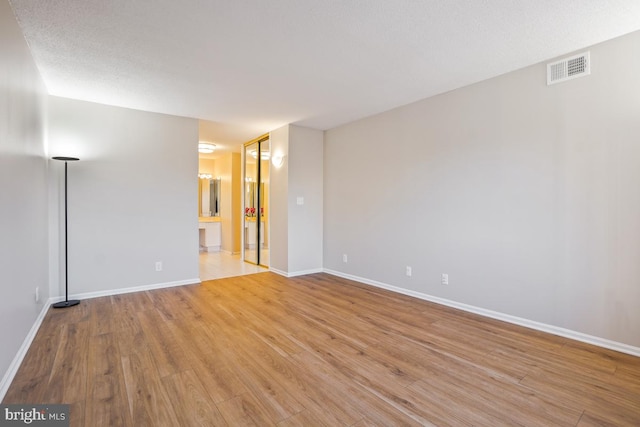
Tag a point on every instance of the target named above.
point(209, 197)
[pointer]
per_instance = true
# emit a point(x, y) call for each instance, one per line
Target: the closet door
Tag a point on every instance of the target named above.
point(251, 202)
point(263, 203)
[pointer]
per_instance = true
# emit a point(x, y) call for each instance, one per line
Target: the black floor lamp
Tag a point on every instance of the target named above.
point(67, 302)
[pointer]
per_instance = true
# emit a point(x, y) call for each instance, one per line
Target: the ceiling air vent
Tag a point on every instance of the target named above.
point(568, 68)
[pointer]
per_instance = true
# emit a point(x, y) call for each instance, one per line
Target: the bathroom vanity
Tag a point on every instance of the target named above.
point(210, 234)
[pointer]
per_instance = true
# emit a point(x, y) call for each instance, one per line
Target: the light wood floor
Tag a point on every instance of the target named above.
point(311, 351)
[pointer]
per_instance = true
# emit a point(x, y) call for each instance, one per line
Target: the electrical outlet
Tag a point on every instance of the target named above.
point(408, 271)
point(37, 294)
point(344, 257)
point(158, 265)
point(445, 279)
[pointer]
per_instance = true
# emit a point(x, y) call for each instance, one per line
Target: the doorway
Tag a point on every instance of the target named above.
point(256, 201)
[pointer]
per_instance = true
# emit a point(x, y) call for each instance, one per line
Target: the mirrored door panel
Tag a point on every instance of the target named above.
point(256, 205)
point(263, 243)
point(251, 207)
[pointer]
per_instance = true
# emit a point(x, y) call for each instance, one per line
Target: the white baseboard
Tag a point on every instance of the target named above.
point(109, 292)
point(296, 273)
point(280, 272)
point(305, 272)
point(22, 351)
point(555, 330)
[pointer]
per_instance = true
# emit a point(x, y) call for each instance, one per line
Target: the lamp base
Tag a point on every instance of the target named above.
point(65, 304)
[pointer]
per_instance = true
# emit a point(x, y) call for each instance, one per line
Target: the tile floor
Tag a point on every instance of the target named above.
point(216, 265)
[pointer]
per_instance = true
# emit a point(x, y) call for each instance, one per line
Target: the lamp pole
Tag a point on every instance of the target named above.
point(67, 302)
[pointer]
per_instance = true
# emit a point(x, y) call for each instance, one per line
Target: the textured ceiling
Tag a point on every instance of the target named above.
point(250, 66)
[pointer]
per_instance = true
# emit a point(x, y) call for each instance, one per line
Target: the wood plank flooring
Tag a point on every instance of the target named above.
point(316, 350)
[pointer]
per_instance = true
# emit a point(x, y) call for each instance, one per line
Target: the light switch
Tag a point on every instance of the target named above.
point(300, 200)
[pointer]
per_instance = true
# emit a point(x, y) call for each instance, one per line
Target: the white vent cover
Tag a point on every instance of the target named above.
point(568, 68)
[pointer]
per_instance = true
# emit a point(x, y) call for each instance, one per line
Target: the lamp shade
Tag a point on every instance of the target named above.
point(65, 159)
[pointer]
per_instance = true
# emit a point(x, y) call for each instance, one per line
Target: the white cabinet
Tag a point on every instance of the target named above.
point(210, 236)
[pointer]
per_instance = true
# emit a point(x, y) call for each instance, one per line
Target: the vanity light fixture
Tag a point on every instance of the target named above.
point(206, 147)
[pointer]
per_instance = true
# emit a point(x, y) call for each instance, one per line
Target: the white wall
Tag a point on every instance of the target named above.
point(525, 194)
point(279, 203)
point(305, 159)
point(296, 230)
point(23, 191)
point(133, 196)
